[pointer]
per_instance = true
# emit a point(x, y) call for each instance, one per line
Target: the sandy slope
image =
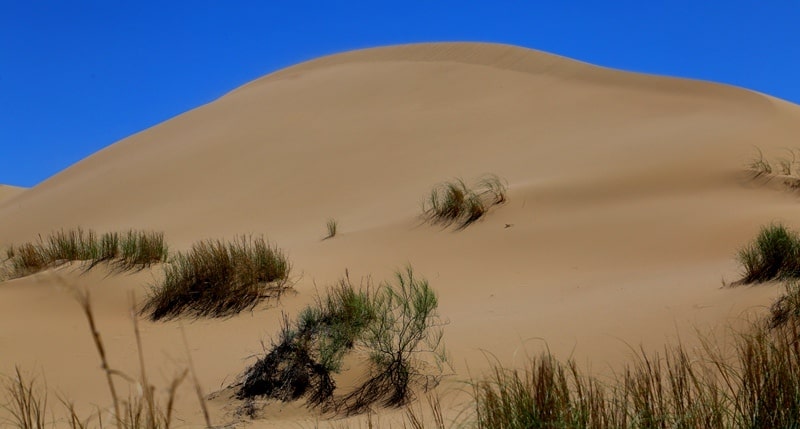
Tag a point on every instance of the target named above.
point(627, 203)
point(6, 192)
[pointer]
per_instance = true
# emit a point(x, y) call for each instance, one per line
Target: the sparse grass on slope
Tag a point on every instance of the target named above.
point(332, 226)
point(128, 251)
point(456, 203)
point(774, 254)
point(217, 279)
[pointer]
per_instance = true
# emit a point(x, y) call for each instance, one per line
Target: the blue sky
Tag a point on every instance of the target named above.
point(76, 76)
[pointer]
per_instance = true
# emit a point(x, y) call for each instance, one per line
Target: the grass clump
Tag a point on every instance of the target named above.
point(128, 251)
point(332, 226)
point(758, 388)
point(217, 278)
point(774, 254)
point(759, 165)
point(455, 202)
point(394, 324)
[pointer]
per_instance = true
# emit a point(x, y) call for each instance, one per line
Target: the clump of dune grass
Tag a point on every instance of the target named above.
point(774, 254)
point(759, 165)
point(395, 324)
point(757, 387)
point(332, 225)
point(128, 251)
point(456, 203)
point(216, 278)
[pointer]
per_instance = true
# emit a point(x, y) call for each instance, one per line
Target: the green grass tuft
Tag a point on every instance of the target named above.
point(130, 251)
point(455, 202)
point(217, 279)
point(774, 254)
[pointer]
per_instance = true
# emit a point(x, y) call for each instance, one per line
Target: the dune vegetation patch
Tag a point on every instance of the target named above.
point(456, 203)
point(216, 278)
point(395, 325)
point(332, 227)
point(773, 254)
point(134, 402)
point(758, 388)
point(786, 168)
point(126, 251)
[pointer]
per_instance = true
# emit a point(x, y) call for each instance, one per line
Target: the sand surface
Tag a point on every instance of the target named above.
point(628, 198)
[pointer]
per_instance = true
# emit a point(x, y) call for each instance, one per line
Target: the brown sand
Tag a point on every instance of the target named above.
point(628, 199)
point(6, 192)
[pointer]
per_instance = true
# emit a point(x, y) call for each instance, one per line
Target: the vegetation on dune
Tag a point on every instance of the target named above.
point(332, 225)
point(131, 250)
point(760, 388)
point(773, 254)
point(396, 324)
point(216, 278)
point(456, 203)
point(28, 408)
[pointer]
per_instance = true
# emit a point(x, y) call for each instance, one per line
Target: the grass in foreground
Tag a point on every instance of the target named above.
point(217, 279)
point(28, 407)
point(774, 254)
point(455, 202)
point(395, 324)
point(131, 250)
point(760, 388)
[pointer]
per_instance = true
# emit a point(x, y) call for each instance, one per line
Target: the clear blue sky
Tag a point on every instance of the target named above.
point(76, 76)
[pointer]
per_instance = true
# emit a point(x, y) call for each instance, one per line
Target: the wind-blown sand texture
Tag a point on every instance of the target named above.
point(628, 198)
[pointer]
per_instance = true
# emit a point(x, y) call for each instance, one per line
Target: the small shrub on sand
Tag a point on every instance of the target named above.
point(455, 202)
point(404, 343)
point(217, 278)
point(133, 250)
point(311, 349)
point(774, 254)
point(395, 324)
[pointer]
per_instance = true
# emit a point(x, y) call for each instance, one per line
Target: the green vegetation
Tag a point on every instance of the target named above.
point(760, 388)
point(396, 324)
point(332, 226)
point(218, 279)
point(455, 202)
point(128, 251)
point(404, 340)
point(774, 254)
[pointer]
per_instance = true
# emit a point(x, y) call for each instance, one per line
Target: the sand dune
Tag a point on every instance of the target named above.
point(628, 199)
point(6, 192)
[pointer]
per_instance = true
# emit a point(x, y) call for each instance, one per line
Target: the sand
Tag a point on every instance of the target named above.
point(628, 199)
